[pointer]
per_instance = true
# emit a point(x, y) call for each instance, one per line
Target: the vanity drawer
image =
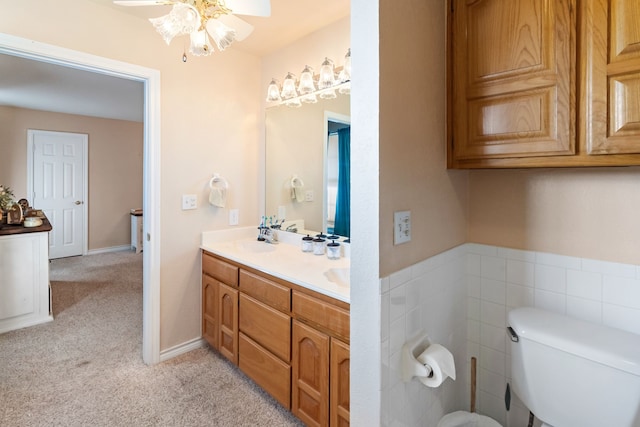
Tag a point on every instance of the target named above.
point(269, 372)
point(223, 271)
point(270, 328)
point(321, 313)
point(265, 290)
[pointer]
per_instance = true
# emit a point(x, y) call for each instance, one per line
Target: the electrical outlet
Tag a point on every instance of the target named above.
point(234, 216)
point(401, 227)
point(189, 201)
point(308, 196)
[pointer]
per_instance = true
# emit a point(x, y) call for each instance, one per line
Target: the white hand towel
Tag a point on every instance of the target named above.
point(218, 197)
point(297, 189)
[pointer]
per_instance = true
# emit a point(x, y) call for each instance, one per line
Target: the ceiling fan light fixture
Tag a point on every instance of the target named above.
point(222, 34)
point(183, 19)
point(200, 43)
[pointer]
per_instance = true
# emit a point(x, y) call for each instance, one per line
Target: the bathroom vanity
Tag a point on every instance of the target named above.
point(282, 316)
point(25, 297)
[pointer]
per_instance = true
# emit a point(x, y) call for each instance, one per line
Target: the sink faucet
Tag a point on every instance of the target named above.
point(292, 228)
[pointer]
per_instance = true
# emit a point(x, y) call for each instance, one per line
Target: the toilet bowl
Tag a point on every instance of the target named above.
point(467, 419)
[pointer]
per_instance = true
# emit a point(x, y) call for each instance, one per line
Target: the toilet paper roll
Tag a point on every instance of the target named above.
point(440, 360)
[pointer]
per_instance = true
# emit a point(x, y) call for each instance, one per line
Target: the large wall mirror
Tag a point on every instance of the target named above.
point(306, 148)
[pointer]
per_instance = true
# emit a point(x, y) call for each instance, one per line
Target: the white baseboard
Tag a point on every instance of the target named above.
point(109, 249)
point(179, 349)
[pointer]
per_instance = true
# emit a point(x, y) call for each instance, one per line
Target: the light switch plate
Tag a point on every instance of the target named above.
point(234, 216)
point(189, 201)
point(401, 227)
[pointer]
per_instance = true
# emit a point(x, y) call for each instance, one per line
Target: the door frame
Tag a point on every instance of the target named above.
point(85, 175)
point(18, 46)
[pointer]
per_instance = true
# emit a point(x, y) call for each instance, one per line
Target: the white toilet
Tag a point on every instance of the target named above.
point(467, 419)
point(573, 373)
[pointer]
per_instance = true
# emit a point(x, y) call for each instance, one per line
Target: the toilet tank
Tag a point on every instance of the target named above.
point(574, 373)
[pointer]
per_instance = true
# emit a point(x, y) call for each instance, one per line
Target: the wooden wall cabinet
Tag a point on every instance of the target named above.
point(291, 341)
point(515, 69)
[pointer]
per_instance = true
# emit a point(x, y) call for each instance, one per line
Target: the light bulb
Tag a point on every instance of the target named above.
point(306, 85)
point(222, 35)
point(327, 75)
point(273, 92)
point(289, 87)
point(200, 44)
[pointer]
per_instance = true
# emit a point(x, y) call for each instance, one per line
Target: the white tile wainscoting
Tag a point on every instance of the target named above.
point(461, 297)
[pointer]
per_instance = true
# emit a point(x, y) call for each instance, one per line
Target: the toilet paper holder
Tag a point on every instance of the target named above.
point(411, 367)
point(431, 366)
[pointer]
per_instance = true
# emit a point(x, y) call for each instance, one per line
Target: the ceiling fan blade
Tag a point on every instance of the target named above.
point(243, 28)
point(249, 7)
point(143, 2)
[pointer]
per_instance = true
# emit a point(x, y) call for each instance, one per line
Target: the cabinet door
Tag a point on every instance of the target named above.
point(339, 378)
point(610, 118)
point(310, 386)
point(228, 326)
point(210, 310)
point(513, 82)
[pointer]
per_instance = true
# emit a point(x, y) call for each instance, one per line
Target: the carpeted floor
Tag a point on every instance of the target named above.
point(85, 368)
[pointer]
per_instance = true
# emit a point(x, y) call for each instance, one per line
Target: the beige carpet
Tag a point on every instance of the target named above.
point(85, 368)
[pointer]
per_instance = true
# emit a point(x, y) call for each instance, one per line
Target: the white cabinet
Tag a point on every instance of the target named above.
point(136, 232)
point(24, 280)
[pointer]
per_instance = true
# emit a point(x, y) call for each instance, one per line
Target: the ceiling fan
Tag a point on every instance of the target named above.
point(203, 18)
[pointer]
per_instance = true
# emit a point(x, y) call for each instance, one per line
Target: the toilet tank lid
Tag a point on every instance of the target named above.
point(612, 347)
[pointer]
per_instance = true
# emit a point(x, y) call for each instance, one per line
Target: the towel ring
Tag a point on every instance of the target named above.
point(219, 179)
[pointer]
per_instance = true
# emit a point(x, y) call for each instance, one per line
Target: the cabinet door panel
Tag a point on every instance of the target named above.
point(339, 374)
point(210, 310)
point(228, 327)
point(513, 91)
point(310, 386)
point(610, 118)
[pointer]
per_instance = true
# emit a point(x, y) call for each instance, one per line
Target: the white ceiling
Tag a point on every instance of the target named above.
point(37, 85)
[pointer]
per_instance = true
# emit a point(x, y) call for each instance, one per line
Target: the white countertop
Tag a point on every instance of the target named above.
point(284, 259)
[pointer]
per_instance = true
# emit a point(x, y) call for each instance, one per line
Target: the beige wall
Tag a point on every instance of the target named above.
point(210, 116)
point(413, 174)
point(115, 166)
point(588, 213)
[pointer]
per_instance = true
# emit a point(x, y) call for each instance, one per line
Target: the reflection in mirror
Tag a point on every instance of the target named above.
point(296, 147)
point(338, 175)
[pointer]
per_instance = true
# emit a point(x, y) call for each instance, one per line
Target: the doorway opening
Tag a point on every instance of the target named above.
point(150, 78)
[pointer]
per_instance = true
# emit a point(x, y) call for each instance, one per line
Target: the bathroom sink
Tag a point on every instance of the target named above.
point(257, 247)
point(339, 276)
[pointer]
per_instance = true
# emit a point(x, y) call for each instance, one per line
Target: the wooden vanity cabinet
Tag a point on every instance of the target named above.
point(293, 342)
point(515, 70)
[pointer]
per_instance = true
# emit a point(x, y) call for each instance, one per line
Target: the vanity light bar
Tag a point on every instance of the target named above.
point(293, 93)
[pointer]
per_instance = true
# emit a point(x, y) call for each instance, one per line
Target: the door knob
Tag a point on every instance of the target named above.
point(78, 202)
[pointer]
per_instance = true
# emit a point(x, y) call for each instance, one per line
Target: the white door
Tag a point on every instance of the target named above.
point(59, 187)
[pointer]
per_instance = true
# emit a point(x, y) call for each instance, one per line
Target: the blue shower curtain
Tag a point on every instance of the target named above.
point(342, 225)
